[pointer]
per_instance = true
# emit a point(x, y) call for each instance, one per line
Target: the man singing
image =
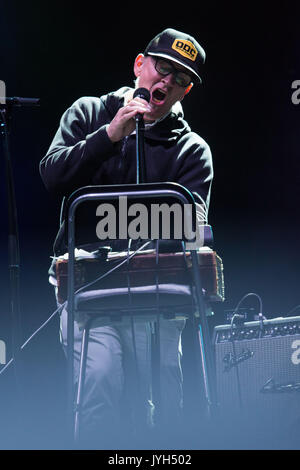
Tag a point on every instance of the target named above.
point(96, 145)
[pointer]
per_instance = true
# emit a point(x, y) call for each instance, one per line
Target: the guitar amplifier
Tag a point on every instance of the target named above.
point(258, 372)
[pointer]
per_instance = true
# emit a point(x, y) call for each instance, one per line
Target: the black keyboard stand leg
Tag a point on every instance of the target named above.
point(155, 372)
point(81, 380)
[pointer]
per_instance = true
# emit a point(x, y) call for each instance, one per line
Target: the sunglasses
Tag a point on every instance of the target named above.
point(165, 67)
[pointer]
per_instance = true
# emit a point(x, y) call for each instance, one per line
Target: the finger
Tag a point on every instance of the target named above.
point(129, 113)
point(141, 105)
point(138, 100)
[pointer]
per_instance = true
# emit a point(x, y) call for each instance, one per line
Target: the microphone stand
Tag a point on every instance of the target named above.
point(13, 232)
point(13, 238)
point(141, 176)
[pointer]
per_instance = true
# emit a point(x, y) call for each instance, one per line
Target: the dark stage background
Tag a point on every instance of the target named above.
point(59, 51)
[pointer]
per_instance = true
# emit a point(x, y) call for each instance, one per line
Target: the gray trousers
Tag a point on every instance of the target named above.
point(117, 392)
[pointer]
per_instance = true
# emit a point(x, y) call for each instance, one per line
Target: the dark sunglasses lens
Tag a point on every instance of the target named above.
point(183, 80)
point(165, 68)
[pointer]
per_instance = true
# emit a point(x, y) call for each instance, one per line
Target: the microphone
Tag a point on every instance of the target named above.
point(18, 101)
point(145, 95)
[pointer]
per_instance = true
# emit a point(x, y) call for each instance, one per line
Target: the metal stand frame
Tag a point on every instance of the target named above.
point(109, 193)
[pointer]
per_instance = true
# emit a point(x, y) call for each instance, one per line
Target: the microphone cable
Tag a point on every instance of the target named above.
point(237, 316)
point(63, 304)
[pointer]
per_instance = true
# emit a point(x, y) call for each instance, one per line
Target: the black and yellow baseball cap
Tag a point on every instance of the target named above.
point(178, 47)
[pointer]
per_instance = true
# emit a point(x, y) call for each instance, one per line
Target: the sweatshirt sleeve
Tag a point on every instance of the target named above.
point(196, 169)
point(79, 146)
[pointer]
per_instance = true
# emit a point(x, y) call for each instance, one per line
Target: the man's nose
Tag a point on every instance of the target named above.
point(169, 79)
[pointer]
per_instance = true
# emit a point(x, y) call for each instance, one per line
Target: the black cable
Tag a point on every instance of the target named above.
point(34, 334)
point(62, 305)
point(138, 394)
point(155, 343)
point(292, 310)
point(242, 300)
point(197, 341)
point(235, 315)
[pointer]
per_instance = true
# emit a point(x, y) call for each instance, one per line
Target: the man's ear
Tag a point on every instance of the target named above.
point(138, 64)
point(188, 89)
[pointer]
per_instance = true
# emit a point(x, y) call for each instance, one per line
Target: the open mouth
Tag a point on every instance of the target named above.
point(158, 96)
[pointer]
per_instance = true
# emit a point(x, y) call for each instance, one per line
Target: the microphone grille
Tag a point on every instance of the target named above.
point(142, 93)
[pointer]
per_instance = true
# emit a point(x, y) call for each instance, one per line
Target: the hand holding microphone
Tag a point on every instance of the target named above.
point(143, 94)
point(123, 123)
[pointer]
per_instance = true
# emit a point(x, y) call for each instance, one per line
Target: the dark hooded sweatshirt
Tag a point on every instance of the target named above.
point(82, 154)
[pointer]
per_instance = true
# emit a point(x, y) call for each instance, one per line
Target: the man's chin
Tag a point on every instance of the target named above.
point(152, 117)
